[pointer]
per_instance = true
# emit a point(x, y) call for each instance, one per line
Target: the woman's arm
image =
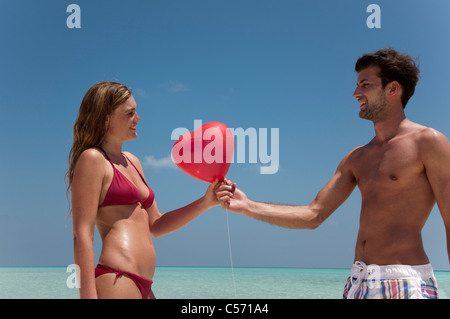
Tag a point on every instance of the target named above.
point(86, 188)
point(162, 224)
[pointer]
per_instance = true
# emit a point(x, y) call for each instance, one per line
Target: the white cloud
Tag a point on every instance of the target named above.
point(178, 87)
point(173, 86)
point(140, 92)
point(165, 162)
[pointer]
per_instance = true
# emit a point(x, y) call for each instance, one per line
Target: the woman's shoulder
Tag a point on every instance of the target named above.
point(92, 154)
point(91, 165)
point(91, 158)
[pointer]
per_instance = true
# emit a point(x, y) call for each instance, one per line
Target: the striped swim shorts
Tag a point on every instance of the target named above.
point(391, 282)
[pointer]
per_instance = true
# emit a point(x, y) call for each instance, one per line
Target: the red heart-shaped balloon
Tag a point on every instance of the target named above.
point(205, 153)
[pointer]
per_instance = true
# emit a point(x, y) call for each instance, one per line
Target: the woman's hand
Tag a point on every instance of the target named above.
point(210, 196)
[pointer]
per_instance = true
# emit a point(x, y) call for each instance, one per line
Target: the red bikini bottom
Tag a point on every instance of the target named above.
point(143, 284)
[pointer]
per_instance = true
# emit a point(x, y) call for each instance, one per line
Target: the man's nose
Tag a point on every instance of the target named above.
point(357, 93)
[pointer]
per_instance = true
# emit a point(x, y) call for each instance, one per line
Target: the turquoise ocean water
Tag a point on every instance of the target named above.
point(199, 283)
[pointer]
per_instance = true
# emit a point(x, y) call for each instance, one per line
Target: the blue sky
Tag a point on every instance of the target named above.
point(262, 64)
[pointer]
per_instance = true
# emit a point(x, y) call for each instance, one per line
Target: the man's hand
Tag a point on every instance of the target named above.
point(231, 198)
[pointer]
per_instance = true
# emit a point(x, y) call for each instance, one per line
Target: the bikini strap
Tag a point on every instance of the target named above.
point(142, 177)
point(106, 155)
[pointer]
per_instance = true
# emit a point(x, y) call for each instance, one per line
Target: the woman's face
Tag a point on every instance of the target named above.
point(123, 121)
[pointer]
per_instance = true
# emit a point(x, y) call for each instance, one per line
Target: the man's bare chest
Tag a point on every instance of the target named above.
point(392, 165)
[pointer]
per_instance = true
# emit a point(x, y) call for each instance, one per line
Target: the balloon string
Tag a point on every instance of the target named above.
point(231, 256)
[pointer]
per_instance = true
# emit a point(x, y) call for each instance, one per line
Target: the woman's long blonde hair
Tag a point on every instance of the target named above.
point(90, 128)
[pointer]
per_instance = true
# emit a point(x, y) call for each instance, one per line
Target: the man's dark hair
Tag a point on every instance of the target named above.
point(394, 66)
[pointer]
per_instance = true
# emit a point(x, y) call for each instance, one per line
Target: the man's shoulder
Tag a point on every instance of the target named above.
point(355, 156)
point(361, 150)
point(427, 136)
point(431, 143)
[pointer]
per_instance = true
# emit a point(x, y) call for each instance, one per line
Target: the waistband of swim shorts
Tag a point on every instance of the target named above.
point(359, 268)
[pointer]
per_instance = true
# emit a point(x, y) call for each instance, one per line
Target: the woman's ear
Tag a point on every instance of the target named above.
point(108, 118)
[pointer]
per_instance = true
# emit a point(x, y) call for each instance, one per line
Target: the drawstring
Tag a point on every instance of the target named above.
point(119, 273)
point(358, 273)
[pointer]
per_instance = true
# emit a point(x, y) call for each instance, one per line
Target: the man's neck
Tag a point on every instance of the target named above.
point(388, 128)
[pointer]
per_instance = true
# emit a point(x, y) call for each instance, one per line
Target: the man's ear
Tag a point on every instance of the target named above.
point(394, 88)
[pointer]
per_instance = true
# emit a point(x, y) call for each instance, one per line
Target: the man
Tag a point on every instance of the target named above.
point(401, 173)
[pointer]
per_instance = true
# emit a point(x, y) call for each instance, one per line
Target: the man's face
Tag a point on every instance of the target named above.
point(371, 95)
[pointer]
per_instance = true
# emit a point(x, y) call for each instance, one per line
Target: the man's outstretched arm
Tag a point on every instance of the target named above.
point(330, 197)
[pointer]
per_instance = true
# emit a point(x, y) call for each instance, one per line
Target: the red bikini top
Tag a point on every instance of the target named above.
point(123, 192)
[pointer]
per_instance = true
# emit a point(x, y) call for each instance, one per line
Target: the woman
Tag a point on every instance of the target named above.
point(109, 190)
